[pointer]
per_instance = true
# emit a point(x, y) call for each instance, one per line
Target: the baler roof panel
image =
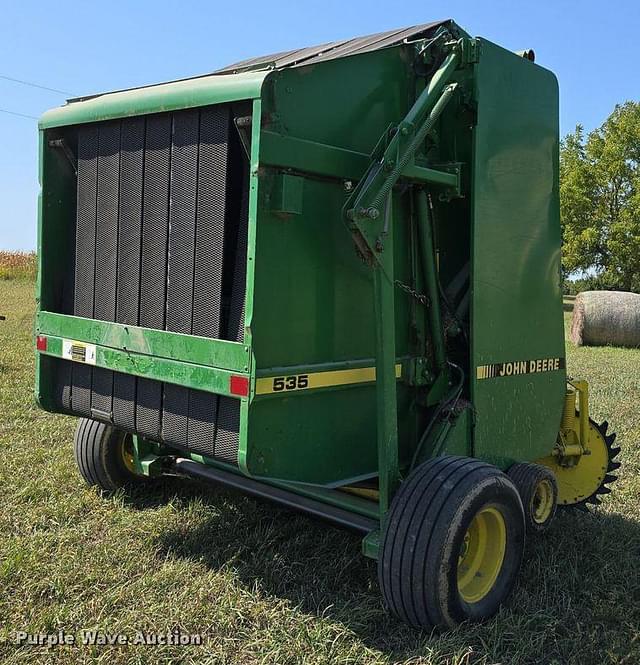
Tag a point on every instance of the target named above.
point(332, 50)
point(304, 56)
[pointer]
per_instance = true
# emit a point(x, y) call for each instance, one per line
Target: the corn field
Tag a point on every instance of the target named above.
point(18, 265)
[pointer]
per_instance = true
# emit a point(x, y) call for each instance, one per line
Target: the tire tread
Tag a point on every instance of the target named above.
point(420, 527)
point(98, 457)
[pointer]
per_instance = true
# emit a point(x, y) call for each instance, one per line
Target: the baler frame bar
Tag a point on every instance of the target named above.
point(291, 497)
point(220, 353)
point(330, 161)
point(186, 360)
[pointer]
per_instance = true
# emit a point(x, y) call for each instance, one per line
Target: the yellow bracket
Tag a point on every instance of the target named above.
point(573, 440)
point(582, 388)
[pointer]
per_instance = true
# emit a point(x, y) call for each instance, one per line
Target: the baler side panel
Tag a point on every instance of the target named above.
point(517, 301)
point(313, 303)
point(313, 309)
point(55, 285)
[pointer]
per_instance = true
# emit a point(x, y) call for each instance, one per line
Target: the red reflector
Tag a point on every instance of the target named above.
point(41, 343)
point(239, 385)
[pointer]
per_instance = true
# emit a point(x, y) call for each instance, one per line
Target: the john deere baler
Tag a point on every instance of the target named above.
point(331, 278)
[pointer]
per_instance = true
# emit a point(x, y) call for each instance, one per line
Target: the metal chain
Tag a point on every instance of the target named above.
point(420, 297)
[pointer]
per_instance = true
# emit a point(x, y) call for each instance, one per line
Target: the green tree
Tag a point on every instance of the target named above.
point(600, 200)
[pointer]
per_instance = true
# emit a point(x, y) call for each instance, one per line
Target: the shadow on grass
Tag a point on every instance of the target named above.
point(317, 567)
point(578, 588)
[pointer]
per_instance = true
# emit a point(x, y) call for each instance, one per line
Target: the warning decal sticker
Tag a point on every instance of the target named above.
point(79, 352)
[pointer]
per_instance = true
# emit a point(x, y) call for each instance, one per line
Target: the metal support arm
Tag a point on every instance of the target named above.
point(363, 209)
point(431, 279)
point(368, 213)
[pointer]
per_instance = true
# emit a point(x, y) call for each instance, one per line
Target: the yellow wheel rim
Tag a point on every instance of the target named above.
point(542, 502)
point(481, 555)
point(579, 482)
point(126, 451)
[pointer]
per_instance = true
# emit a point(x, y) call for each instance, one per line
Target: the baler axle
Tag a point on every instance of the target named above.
point(334, 514)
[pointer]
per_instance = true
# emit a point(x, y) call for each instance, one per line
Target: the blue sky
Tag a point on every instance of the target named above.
point(84, 47)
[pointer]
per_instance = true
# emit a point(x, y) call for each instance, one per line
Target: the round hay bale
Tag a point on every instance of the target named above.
point(602, 318)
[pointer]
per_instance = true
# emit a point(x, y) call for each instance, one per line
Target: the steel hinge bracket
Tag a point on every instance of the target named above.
point(61, 144)
point(470, 52)
point(371, 544)
point(417, 372)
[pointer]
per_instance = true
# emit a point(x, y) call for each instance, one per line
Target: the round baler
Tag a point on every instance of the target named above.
point(329, 278)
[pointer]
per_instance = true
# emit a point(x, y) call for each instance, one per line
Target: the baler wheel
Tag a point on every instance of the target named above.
point(538, 490)
point(452, 545)
point(104, 455)
point(584, 484)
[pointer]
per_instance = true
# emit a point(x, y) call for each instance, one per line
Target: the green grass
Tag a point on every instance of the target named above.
point(264, 585)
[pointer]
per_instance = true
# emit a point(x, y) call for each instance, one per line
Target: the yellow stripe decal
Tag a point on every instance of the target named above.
point(339, 377)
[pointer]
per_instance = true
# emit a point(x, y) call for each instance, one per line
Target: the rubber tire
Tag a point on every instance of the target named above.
point(525, 476)
point(97, 450)
point(426, 524)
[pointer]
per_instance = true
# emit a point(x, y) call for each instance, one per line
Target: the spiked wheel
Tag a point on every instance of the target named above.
point(585, 482)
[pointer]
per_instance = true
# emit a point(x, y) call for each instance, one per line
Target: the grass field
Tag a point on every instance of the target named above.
point(264, 585)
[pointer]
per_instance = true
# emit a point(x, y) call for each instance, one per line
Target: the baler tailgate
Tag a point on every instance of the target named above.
point(158, 278)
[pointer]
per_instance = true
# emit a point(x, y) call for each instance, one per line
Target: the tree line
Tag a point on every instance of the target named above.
point(600, 203)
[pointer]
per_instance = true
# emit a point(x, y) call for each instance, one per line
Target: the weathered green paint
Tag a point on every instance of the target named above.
point(368, 213)
point(318, 367)
point(145, 341)
point(313, 299)
point(286, 194)
point(200, 377)
point(56, 202)
point(367, 202)
point(42, 388)
point(431, 281)
point(200, 91)
point(254, 191)
point(371, 545)
point(386, 394)
point(458, 438)
point(333, 497)
point(291, 152)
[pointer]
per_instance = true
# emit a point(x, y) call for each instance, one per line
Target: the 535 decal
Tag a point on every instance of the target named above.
point(295, 382)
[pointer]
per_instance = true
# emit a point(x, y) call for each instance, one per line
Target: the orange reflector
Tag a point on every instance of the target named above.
point(41, 343)
point(239, 385)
